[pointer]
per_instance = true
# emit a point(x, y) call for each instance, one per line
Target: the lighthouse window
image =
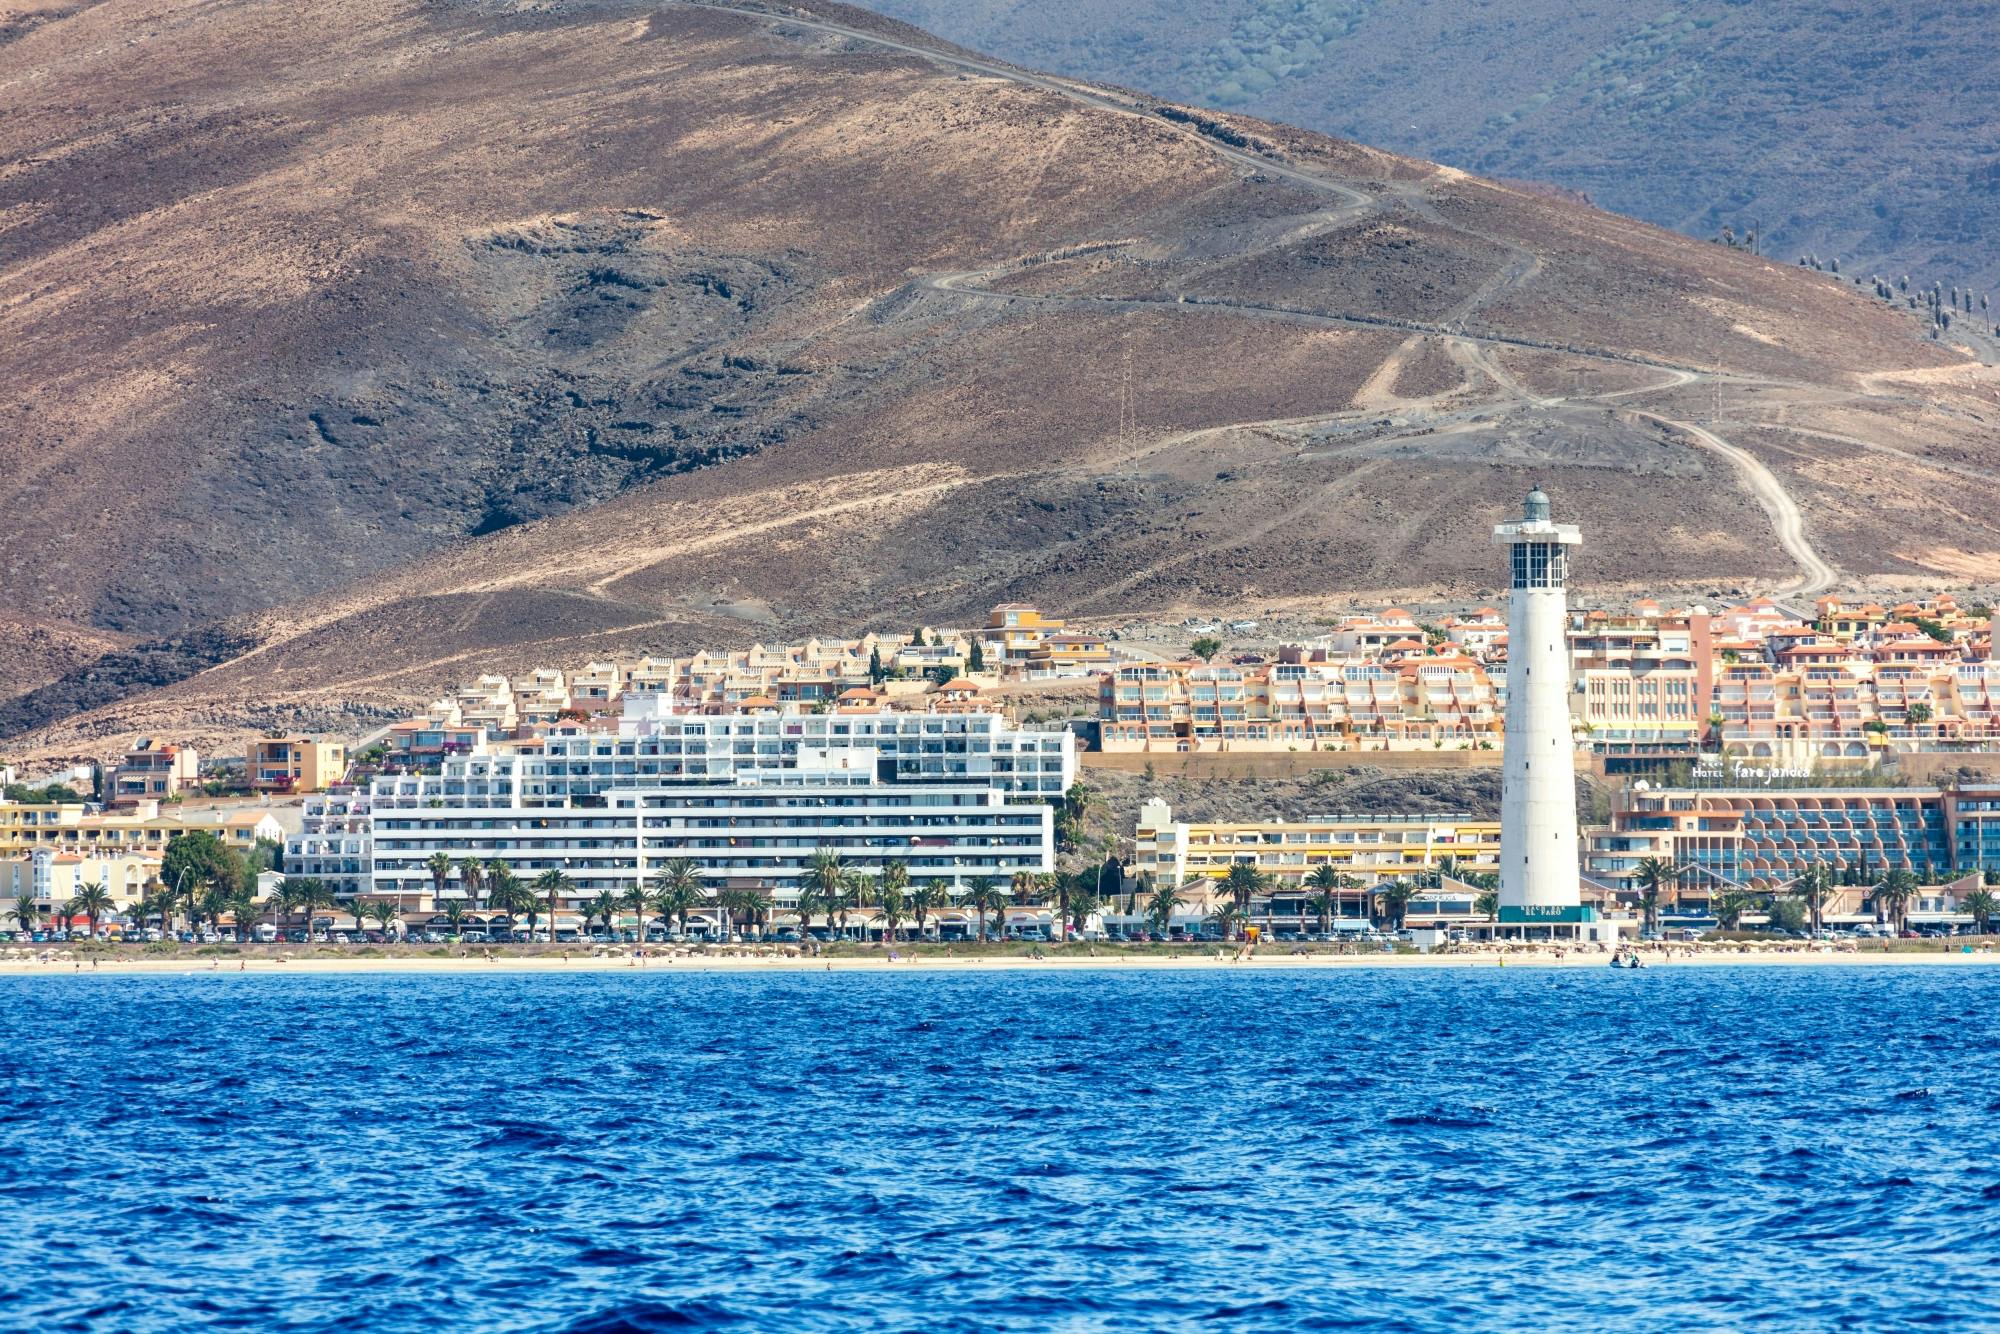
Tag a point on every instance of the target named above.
point(1540, 565)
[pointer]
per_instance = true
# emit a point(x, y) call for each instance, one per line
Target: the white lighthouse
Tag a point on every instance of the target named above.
point(1538, 874)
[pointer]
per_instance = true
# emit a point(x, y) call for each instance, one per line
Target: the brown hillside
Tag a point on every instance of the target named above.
point(385, 341)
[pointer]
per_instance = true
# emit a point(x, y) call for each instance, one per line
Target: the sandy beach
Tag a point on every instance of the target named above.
point(720, 962)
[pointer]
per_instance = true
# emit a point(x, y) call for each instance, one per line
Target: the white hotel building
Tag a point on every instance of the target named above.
point(750, 797)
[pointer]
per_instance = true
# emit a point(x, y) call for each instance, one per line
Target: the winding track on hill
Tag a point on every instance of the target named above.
point(1787, 520)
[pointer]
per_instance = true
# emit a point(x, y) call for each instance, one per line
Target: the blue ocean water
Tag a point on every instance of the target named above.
point(1457, 1150)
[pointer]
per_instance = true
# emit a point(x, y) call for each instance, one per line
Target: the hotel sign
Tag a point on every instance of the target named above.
point(1739, 774)
point(1542, 914)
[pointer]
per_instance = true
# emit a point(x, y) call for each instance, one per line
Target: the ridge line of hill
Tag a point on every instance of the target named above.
point(1816, 573)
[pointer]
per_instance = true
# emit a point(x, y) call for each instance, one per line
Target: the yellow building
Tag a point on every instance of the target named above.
point(24, 827)
point(52, 879)
point(1013, 631)
point(1071, 653)
point(1371, 848)
point(142, 831)
point(1637, 682)
point(295, 764)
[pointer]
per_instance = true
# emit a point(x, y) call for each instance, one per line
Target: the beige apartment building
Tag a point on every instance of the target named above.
point(1370, 848)
point(151, 772)
point(295, 764)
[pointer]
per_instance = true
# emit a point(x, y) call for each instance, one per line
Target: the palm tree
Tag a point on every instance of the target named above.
point(604, 907)
point(889, 896)
point(454, 915)
point(1983, 906)
point(385, 912)
point(506, 894)
point(553, 886)
point(439, 864)
point(1160, 907)
point(636, 899)
point(471, 874)
point(811, 899)
point(1652, 874)
point(190, 890)
point(985, 895)
point(1242, 882)
point(1487, 905)
point(1815, 886)
point(852, 895)
point(822, 887)
point(1894, 895)
point(166, 904)
point(216, 896)
point(308, 895)
point(926, 896)
point(1072, 812)
point(1082, 901)
point(242, 909)
point(749, 902)
point(503, 890)
point(497, 872)
point(1326, 883)
point(892, 892)
point(27, 912)
point(1395, 899)
point(281, 903)
point(92, 901)
point(757, 906)
point(1227, 918)
point(1027, 887)
point(677, 889)
point(1729, 907)
point(356, 905)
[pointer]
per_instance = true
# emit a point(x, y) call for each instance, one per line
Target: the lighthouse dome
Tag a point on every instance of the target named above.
point(1536, 510)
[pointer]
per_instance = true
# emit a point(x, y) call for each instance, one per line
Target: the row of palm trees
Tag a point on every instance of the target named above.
point(831, 889)
point(91, 902)
point(1811, 889)
point(1328, 889)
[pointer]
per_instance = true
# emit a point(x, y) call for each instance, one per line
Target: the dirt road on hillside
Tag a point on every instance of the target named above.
point(1816, 573)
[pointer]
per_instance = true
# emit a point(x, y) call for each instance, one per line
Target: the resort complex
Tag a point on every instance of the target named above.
point(1747, 752)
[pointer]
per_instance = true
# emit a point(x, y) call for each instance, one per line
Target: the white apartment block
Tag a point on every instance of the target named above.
point(749, 796)
point(333, 842)
point(758, 829)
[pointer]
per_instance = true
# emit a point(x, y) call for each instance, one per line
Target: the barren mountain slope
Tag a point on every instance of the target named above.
point(1859, 131)
point(419, 338)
